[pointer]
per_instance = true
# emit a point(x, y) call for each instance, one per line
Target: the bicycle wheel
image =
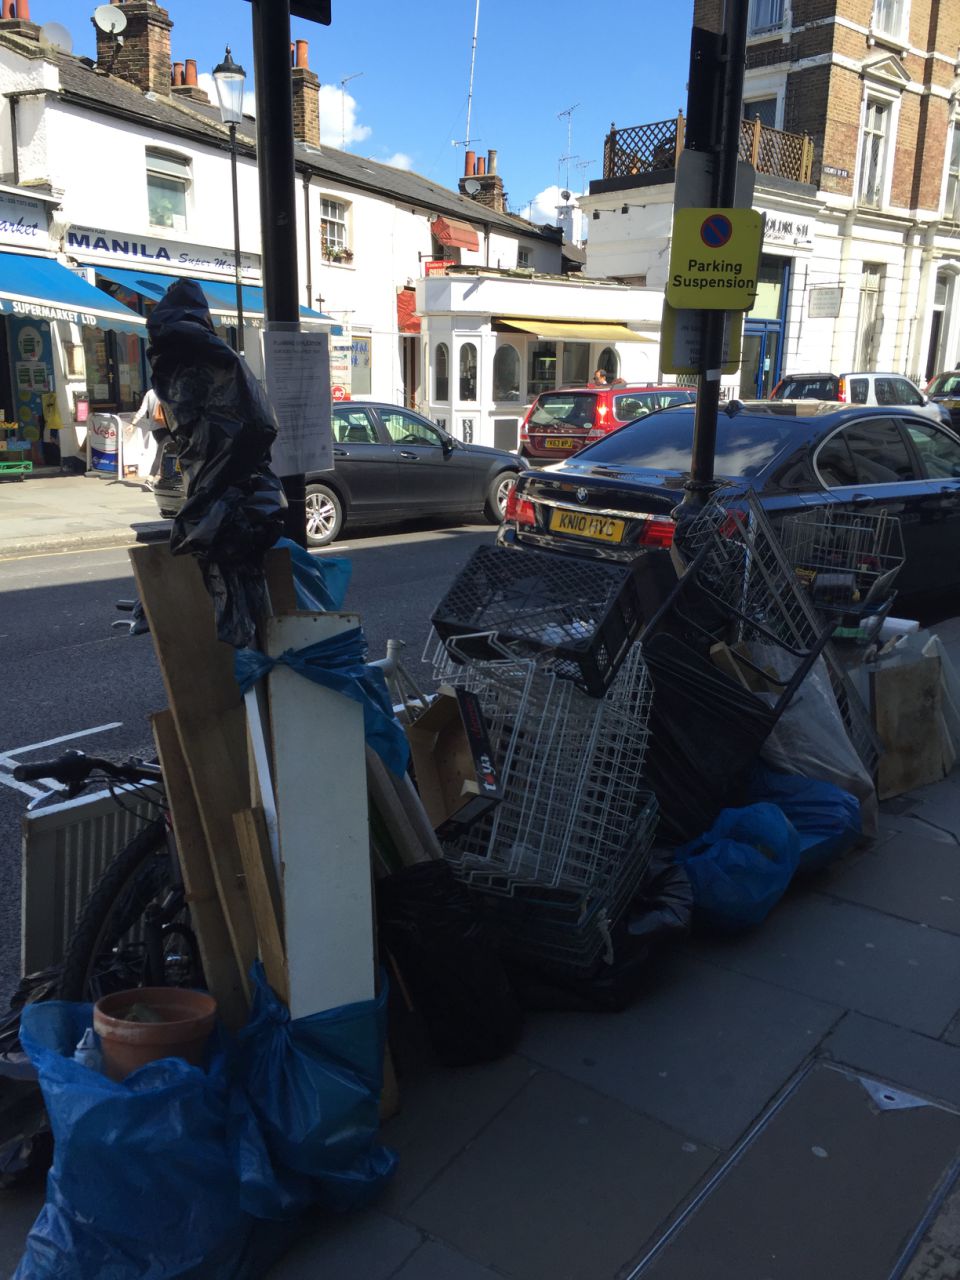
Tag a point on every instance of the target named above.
point(100, 956)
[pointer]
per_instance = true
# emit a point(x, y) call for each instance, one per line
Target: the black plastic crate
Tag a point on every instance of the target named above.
point(582, 615)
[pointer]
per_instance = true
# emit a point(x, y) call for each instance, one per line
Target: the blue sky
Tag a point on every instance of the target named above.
point(622, 60)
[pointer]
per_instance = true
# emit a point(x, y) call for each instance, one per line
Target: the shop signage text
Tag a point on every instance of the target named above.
point(823, 302)
point(86, 241)
point(780, 229)
point(21, 219)
point(43, 311)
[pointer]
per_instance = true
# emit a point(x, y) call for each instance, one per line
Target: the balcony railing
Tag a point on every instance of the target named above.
point(649, 148)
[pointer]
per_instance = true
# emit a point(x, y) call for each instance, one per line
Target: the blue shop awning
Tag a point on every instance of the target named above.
point(47, 290)
point(221, 295)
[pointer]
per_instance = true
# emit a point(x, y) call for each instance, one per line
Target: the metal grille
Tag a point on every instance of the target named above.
point(846, 559)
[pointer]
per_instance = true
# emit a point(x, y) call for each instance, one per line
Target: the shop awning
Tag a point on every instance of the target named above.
point(47, 290)
point(407, 319)
point(221, 295)
point(458, 235)
point(572, 330)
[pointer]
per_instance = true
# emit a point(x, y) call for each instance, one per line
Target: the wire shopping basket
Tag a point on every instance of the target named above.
point(847, 560)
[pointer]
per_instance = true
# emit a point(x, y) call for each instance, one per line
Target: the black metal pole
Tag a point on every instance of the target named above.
point(236, 237)
point(278, 217)
point(702, 483)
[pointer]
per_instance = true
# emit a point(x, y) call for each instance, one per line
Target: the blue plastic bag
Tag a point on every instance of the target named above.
point(827, 819)
point(740, 868)
point(143, 1185)
point(308, 1106)
point(320, 583)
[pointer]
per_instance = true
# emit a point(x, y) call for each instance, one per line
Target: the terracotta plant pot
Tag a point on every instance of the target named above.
point(185, 1020)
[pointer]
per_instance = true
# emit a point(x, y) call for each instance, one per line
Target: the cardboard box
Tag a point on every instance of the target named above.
point(453, 762)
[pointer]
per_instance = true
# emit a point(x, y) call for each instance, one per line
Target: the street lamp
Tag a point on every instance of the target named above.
point(229, 79)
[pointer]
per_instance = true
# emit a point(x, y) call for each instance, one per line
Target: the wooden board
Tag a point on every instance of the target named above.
point(907, 712)
point(206, 914)
point(264, 896)
point(207, 709)
point(321, 795)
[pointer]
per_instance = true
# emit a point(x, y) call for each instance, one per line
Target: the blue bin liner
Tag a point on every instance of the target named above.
point(827, 818)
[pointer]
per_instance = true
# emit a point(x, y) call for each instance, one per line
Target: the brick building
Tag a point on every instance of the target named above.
point(852, 118)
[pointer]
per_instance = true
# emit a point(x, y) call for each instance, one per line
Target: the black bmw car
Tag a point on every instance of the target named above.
point(390, 464)
point(614, 499)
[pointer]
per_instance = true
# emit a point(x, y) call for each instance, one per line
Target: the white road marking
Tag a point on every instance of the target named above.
point(66, 737)
point(8, 760)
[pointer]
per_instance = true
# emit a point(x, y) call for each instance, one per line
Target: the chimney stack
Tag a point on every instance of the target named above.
point(144, 57)
point(188, 86)
point(306, 97)
point(484, 170)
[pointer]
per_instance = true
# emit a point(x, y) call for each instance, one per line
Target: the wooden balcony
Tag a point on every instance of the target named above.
point(649, 148)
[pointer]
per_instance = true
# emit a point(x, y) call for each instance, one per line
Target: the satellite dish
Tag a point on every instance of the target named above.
point(472, 186)
point(564, 195)
point(110, 18)
point(53, 36)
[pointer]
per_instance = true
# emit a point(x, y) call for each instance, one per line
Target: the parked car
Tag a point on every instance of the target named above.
point(859, 388)
point(614, 500)
point(559, 423)
point(945, 391)
point(390, 464)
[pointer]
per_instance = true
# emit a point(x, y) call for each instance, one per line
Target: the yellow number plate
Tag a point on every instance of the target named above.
point(584, 525)
point(557, 442)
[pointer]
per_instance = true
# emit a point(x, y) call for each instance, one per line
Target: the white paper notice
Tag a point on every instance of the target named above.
point(298, 383)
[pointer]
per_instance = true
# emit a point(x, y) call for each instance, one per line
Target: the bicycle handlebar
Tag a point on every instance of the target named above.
point(74, 767)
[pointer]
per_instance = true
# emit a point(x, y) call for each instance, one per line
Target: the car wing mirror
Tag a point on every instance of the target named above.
point(447, 444)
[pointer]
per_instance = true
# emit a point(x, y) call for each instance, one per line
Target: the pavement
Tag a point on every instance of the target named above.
point(69, 513)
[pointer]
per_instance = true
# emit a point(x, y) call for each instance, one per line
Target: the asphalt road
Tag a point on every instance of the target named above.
point(66, 671)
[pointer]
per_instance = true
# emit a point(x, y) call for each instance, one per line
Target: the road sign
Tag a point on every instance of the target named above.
point(715, 259)
point(681, 337)
point(694, 183)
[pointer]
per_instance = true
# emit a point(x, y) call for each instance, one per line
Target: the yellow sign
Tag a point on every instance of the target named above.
point(715, 259)
point(51, 411)
point(680, 339)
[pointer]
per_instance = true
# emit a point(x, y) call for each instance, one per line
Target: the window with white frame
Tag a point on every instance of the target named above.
point(765, 15)
point(333, 230)
point(951, 208)
point(890, 17)
point(168, 181)
point(523, 257)
point(873, 150)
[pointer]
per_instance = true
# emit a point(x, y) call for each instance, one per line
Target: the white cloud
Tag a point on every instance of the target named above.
point(205, 82)
point(543, 207)
point(338, 118)
point(399, 160)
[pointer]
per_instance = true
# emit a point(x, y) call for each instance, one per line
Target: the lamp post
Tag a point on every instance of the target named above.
point(229, 79)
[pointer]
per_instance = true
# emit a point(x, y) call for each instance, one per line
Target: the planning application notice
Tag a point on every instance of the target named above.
point(298, 382)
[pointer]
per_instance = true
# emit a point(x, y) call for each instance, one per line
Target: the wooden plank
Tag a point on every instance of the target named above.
point(906, 711)
point(392, 812)
point(206, 914)
point(278, 571)
point(197, 672)
point(264, 897)
point(321, 794)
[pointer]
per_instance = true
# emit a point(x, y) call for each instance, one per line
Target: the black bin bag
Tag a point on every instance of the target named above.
point(223, 426)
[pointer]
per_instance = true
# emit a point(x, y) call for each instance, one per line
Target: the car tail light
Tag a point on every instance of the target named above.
point(524, 430)
point(519, 509)
point(657, 533)
point(842, 390)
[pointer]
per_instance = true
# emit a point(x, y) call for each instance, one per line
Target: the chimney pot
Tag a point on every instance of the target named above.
point(23, 10)
point(190, 72)
point(491, 162)
point(481, 166)
point(178, 73)
point(469, 163)
point(302, 60)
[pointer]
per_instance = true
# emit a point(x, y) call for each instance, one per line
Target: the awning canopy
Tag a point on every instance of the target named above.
point(47, 290)
point(458, 235)
point(221, 295)
point(407, 319)
point(572, 330)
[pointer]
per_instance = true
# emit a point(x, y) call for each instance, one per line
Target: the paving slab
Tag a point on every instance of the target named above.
point(369, 1245)
point(851, 956)
point(69, 512)
point(565, 1184)
point(907, 876)
point(434, 1261)
point(938, 1256)
point(832, 1186)
point(904, 1058)
point(703, 1053)
point(441, 1112)
point(941, 808)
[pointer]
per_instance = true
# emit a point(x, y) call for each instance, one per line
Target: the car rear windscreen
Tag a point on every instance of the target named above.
point(744, 445)
point(637, 404)
point(571, 408)
point(801, 388)
point(945, 384)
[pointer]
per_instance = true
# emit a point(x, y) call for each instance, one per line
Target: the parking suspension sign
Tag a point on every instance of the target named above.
point(715, 259)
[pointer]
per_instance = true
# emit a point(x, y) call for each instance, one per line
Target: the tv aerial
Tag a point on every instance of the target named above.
point(471, 186)
point(54, 36)
point(110, 19)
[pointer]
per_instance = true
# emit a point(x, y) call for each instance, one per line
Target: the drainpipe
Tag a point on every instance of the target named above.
point(15, 137)
point(306, 232)
point(921, 330)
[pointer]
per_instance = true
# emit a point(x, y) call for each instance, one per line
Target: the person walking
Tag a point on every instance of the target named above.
point(155, 423)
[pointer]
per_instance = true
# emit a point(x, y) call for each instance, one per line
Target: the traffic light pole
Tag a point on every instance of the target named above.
point(278, 219)
point(725, 73)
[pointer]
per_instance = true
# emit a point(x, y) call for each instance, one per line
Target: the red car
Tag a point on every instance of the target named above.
point(560, 423)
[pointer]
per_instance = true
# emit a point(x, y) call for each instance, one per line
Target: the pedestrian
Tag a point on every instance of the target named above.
point(155, 423)
point(600, 378)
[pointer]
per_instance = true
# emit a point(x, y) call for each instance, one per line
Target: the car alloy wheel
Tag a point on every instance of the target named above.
point(497, 497)
point(323, 515)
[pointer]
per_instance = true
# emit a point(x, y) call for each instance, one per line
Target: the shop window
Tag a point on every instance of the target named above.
point(441, 373)
point(873, 150)
point(768, 304)
point(576, 363)
point(951, 210)
point(609, 362)
point(541, 368)
point(468, 372)
point(361, 365)
point(168, 182)
point(765, 15)
point(335, 242)
point(506, 373)
point(114, 369)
